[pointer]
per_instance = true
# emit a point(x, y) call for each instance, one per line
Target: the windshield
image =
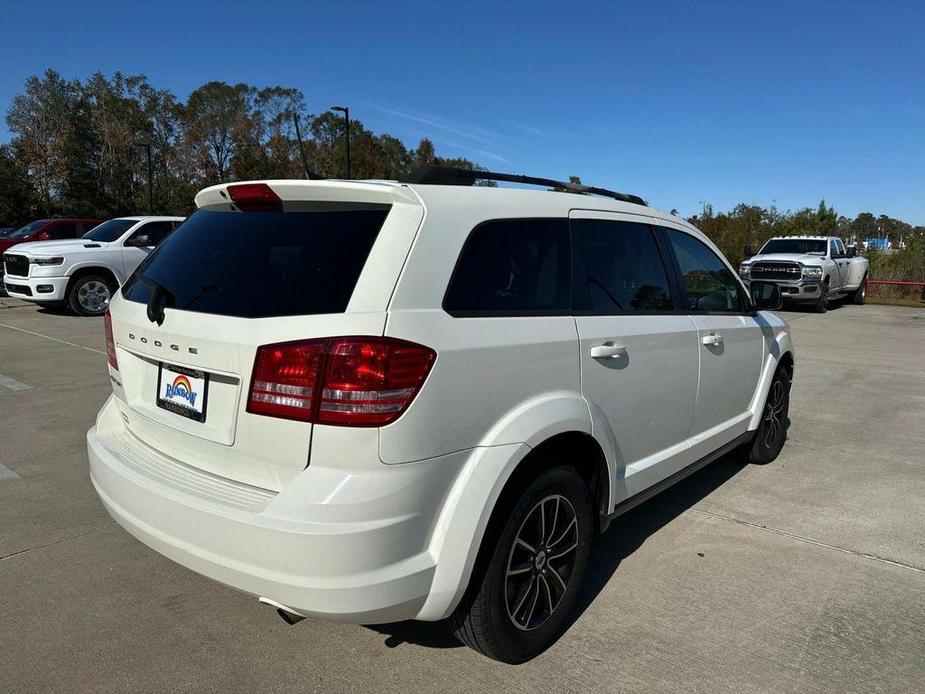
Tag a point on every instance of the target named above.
point(109, 231)
point(27, 231)
point(811, 246)
point(261, 264)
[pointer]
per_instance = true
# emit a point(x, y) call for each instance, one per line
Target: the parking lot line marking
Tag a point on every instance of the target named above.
point(53, 339)
point(13, 384)
point(90, 531)
point(7, 474)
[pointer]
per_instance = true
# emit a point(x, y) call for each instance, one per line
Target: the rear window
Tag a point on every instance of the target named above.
point(815, 246)
point(261, 264)
point(63, 230)
point(513, 267)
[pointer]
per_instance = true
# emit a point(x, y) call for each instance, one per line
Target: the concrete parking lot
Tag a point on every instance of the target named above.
point(804, 575)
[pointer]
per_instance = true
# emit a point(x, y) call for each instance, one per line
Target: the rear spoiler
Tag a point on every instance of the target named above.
point(328, 190)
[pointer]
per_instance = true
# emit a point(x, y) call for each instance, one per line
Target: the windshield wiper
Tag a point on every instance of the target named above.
point(159, 299)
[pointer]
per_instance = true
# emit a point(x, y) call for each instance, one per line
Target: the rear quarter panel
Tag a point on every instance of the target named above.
point(857, 272)
point(497, 380)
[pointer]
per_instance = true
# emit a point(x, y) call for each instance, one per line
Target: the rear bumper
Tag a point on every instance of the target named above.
point(345, 546)
point(36, 288)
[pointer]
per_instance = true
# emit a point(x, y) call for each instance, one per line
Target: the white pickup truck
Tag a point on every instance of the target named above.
point(809, 269)
point(84, 273)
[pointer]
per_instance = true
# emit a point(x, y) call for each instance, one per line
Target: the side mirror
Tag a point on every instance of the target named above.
point(749, 252)
point(766, 296)
point(141, 241)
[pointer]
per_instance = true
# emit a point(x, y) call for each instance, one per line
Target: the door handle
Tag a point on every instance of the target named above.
point(608, 350)
point(712, 340)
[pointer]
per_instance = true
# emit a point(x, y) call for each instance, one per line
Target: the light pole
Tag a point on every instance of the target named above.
point(147, 146)
point(346, 111)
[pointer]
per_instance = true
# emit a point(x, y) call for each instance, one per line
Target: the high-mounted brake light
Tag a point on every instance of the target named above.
point(345, 381)
point(110, 341)
point(255, 197)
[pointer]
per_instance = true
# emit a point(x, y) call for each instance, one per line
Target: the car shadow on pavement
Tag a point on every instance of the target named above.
point(628, 532)
point(624, 536)
point(53, 310)
point(803, 307)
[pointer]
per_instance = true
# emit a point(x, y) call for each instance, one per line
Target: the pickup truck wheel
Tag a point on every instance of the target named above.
point(860, 294)
point(772, 431)
point(525, 595)
point(89, 295)
point(822, 303)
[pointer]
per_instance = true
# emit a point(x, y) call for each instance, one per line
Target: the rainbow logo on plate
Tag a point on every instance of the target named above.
point(181, 388)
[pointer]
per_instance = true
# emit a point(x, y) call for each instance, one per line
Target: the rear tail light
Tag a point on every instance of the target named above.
point(110, 341)
point(285, 380)
point(346, 381)
point(255, 197)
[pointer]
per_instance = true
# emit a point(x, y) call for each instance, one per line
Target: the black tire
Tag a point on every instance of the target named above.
point(483, 619)
point(822, 303)
point(860, 294)
point(772, 431)
point(86, 295)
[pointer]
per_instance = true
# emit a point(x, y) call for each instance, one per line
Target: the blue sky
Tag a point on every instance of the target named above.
point(679, 101)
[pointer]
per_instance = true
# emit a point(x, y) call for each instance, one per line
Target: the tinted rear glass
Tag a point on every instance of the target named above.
point(619, 268)
point(261, 264)
point(816, 246)
point(63, 230)
point(513, 267)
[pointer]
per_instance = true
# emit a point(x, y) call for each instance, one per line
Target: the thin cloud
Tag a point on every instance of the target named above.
point(529, 129)
point(475, 151)
point(474, 133)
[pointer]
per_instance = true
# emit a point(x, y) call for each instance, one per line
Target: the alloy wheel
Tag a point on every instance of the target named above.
point(541, 562)
point(774, 414)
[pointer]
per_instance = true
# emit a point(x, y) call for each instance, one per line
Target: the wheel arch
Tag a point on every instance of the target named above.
point(786, 361)
point(577, 449)
point(475, 510)
point(85, 270)
point(781, 357)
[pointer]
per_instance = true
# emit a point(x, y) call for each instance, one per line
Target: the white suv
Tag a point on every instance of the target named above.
point(84, 273)
point(376, 401)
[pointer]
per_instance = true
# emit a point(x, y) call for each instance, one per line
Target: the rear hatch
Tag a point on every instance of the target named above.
point(319, 261)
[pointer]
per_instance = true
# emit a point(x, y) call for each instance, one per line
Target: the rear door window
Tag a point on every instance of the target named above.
point(63, 230)
point(261, 264)
point(512, 267)
point(618, 268)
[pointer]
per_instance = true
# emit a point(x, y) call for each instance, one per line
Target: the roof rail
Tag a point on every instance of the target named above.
point(451, 176)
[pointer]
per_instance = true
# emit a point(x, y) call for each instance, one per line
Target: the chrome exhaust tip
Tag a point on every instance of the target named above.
point(287, 614)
